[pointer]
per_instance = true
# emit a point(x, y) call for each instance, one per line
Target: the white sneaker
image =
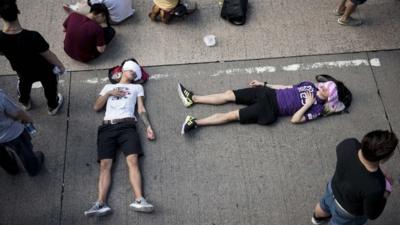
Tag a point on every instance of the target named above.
point(54, 111)
point(98, 210)
point(141, 205)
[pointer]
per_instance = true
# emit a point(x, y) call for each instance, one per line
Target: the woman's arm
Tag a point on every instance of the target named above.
point(256, 83)
point(298, 117)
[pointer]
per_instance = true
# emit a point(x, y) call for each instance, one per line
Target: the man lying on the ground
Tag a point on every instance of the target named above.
point(118, 131)
point(265, 102)
point(85, 38)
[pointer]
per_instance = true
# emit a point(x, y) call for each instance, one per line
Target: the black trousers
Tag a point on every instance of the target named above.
point(49, 82)
point(109, 34)
point(23, 147)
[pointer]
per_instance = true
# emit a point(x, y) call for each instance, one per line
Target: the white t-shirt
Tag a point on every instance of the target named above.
point(118, 9)
point(122, 107)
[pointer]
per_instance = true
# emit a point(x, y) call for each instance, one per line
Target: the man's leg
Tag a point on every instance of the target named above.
point(341, 7)
point(24, 91)
point(104, 179)
point(134, 175)
point(50, 85)
point(23, 147)
point(8, 162)
point(350, 7)
point(215, 99)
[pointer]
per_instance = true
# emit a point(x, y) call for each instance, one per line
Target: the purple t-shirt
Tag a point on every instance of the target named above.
point(290, 100)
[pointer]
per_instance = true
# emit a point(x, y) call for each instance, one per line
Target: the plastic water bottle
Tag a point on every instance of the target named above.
point(57, 71)
point(30, 128)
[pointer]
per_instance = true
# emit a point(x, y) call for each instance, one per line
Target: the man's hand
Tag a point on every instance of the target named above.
point(116, 92)
point(150, 134)
point(256, 83)
point(310, 99)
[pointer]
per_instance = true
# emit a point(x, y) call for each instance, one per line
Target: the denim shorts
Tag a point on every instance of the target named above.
point(339, 215)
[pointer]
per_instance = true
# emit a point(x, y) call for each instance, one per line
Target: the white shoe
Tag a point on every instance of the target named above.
point(141, 205)
point(98, 210)
point(54, 111)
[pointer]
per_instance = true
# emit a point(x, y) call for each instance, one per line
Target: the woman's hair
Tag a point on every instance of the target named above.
point(9, 10)
point(378, 145)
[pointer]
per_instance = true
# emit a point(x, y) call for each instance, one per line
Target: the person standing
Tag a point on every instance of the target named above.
point(14, 136)
point(345, 9)
point(359, 188)
point(30, 57)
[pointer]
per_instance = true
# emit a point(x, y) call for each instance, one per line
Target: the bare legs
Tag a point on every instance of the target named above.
point(319, 212)
point(217, 99)
point(134, 175)
point(347, 7)
point(105, 177)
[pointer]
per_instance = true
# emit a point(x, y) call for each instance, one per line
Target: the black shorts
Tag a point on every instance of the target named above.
point(358, 2)
point(262, 105)
point(112, 137)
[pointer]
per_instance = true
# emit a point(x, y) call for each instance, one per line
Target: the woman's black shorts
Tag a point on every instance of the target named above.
point(112, 137)
point(262, 105)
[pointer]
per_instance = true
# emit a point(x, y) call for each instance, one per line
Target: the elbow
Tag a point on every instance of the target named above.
point(96, 108)
point(295, 121)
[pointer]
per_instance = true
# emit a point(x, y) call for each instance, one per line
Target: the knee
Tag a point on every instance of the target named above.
point(133, 161)
point(233, 115)
point(105, 165)
point(229, 95)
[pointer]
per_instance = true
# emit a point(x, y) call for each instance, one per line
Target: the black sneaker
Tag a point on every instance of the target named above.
point(320, 220)
point(189, 124)
point(40, 156)
point(185, 95)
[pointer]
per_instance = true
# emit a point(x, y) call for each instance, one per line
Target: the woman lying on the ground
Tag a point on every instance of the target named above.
point(265, 102)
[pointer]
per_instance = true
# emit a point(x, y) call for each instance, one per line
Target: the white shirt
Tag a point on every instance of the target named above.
point(118, 9)
point(122, 107)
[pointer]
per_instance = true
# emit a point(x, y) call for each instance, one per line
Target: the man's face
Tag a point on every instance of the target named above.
point(130, 75)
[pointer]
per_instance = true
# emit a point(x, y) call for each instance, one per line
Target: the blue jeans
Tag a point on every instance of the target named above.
point(339, 216)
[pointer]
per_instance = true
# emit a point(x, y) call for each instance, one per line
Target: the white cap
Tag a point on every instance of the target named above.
point(132, 66)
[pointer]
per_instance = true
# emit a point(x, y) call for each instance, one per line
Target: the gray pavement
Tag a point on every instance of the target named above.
point(274, 29)
point(231, 174)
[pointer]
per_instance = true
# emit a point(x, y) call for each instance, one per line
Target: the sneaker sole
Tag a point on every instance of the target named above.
point(144, 209)
point(347, 24)
point(183, 98)
point(97, 213)
point(183, 125)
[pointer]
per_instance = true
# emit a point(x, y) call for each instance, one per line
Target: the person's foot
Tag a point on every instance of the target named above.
point(185, 95)
point(141, 205)
point(349, 22)
point(98, 209)
point(337, 12)
point(60, 100)
point(189, 124)
point(319, 221)
point(27, 106)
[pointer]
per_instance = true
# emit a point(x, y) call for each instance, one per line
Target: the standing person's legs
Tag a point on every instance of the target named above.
point(24, 90)
point(350, 7)
point(341, 7)
point(49, 82)
point(7, 161)
point(23, 147)
point(104, 179)
point(109, 34)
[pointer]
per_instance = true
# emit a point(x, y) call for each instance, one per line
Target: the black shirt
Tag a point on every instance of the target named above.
point(358, 191)
point(23, 51)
